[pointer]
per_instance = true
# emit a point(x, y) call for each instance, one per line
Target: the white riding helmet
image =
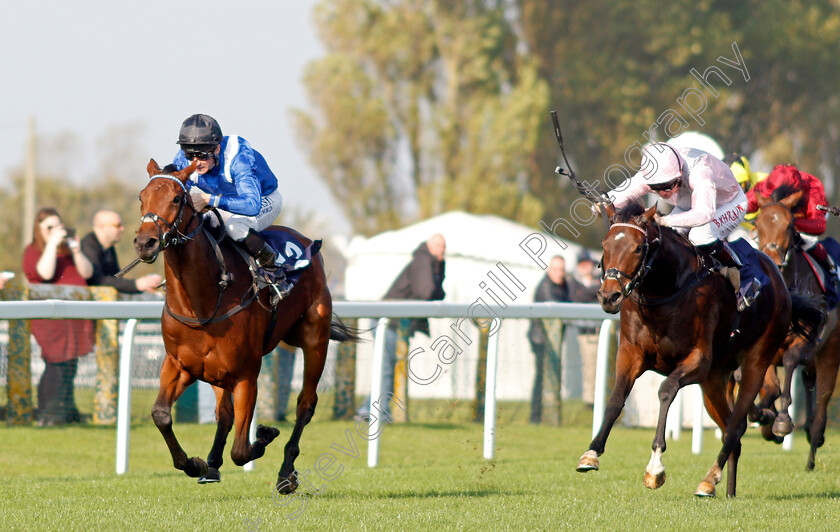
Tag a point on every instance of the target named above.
point(661, 164)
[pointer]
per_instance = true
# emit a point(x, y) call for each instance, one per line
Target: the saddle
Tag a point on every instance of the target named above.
point(293, 257)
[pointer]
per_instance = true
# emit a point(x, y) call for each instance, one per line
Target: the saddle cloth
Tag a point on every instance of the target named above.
point(833, 249)
point(293, 256)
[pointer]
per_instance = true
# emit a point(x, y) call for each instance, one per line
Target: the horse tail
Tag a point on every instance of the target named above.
point(344, 333)
point(807, 315)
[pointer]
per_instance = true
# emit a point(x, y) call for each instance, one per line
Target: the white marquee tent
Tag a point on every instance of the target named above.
point(476, 245)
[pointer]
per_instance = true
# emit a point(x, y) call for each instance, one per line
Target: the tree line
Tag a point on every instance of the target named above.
point(423, 106)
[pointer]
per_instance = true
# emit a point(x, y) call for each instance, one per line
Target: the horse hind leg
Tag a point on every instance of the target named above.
point(314, 359)
point(244, 401)
point(224, 422)
point(173, 382)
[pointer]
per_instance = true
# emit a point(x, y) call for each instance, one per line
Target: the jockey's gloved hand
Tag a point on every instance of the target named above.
point(200, 199)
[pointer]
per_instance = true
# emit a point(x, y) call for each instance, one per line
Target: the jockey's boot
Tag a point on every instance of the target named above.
point(266, 258)
point(746, 293)
point(821, 255)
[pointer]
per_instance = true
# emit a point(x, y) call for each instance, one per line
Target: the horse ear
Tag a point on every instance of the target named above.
point(609, 209)
point(153, 168)
point(184, 175)
point(760, 200)
point(649, 214)
point(793, 200)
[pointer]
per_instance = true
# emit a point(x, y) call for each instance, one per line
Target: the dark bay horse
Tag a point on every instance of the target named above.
point(679, 319)
point(776, 236)
point(217, 327)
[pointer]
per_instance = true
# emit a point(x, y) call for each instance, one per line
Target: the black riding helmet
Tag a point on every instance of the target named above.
point(200, 131)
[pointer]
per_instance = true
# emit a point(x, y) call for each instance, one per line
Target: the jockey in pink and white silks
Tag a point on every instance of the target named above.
point(708, 205)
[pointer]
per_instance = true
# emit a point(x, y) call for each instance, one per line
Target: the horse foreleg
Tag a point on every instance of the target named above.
point(244, 401)
point(827, 365)
point(628, 367)
point(224, 422)
point(752, 374)
point(688, 372)
point(783, 424)
point(719, 406)
point(765, 411)
point(173, 382)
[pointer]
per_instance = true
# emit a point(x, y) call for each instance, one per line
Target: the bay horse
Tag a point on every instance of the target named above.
point(678, 318)
point(213, 332)
point(820, 360)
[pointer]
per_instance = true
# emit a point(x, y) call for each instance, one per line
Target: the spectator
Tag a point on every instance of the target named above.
point(553, 287)
point(583, 288)
point(421, 279)
point(98, 247)
point(53, 257)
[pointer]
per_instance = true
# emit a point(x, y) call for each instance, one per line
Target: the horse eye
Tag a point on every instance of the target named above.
point(177, 200)
point(638, 249)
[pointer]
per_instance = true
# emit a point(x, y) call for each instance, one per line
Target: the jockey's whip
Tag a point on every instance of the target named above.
point(591, 193)
point(829, 209)
point(128, 268)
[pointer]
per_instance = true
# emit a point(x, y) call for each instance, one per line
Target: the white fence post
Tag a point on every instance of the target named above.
point(697, 430)
point(124, 398)
point(376, 390)
point(601, 372)
point(490, 394)
point(787, 443)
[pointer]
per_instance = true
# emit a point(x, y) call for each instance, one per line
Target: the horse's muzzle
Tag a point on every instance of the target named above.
point(610, 300)
point(147, 248)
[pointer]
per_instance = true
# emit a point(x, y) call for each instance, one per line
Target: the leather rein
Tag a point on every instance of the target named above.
point(174, 237)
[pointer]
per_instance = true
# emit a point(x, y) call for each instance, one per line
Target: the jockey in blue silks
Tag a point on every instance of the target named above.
point(234, 178)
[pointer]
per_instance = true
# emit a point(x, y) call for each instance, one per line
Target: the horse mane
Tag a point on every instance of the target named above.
point(170, 169)
point(782, 192)
point(629, 212)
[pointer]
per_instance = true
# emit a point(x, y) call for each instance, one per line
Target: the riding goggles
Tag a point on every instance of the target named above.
point(200, 155)
point(665, 187)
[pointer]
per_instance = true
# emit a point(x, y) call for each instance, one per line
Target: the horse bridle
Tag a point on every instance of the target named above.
point(166, 238)
point(648, 257)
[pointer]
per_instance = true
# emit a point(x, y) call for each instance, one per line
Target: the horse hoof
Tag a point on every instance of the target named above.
point(782, 426)
point(196, 467)
point(588, 462)
point(766, 417)
point(767, 434)
point(211, 476)
point(705, 489)
point(286, 485)
point(654, 481)
point(267, 434)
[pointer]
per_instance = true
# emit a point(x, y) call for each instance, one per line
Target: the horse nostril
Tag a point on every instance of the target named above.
point(614, 297)
point(150, 243)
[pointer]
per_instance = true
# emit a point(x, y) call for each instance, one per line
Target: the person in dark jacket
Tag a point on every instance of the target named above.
point(583, 288)
point(421, 279)
point(552, 287)
point(98, 247)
